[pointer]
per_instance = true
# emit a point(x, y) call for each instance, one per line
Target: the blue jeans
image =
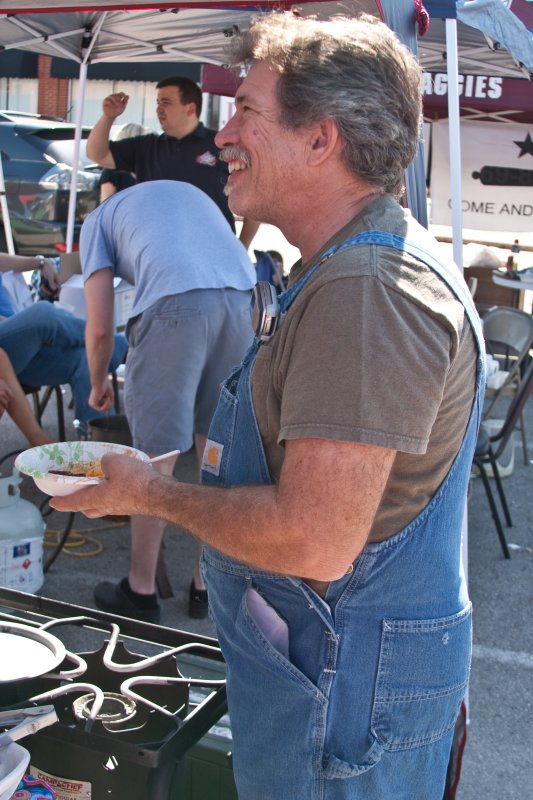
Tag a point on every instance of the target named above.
point(46, 346)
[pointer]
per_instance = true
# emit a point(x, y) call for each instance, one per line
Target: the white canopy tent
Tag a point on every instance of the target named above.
point(94, 31)
point(139, 30)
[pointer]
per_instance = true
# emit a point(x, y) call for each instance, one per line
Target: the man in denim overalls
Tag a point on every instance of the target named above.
point(341, 446)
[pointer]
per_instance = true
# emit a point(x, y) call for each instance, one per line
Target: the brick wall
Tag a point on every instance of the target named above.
point(53, 92)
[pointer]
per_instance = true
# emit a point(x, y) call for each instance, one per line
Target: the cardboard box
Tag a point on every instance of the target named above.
point(69, 264)
point(73, 299)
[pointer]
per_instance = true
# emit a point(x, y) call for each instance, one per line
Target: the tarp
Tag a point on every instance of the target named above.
point(495, 54)
point(481, 97)
point(494, 38)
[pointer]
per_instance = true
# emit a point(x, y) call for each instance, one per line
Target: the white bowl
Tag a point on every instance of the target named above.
point(68, 456)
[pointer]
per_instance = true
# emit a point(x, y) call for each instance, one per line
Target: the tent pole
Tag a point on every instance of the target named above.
point(457, 215)
point(76, 159)
point(5, 212)
point(454, 140)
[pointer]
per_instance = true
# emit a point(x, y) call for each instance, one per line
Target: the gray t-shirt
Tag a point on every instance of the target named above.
point(377, 350)
point(165, 238)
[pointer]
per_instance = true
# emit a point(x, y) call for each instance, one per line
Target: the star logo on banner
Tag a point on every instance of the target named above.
point(526, 147)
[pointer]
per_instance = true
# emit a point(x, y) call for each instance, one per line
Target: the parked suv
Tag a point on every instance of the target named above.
point(37, 157)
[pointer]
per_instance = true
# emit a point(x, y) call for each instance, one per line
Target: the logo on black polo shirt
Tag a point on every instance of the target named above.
point(208, 159)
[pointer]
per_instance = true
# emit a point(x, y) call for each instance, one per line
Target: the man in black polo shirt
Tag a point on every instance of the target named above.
point(185, 151)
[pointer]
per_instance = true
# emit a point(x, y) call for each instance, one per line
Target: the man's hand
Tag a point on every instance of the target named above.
point(123, 492)
point(102, 397)
point(114, 105)
point(50, 275)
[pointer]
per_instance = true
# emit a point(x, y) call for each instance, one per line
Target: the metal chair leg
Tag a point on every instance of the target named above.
point(524, 439)
point(493, 509)
point(40, 403)
point(499, 486)
point(60, 414)
point(114, 381)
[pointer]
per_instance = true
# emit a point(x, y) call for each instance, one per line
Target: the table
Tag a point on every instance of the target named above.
point(518, 286)
point(73, 298)
point(525, 282)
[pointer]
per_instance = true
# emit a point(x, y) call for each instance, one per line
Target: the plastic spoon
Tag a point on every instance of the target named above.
point(164, 455)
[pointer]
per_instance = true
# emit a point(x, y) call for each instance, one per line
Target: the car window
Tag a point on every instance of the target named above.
point(55, 143)
point(63, 151)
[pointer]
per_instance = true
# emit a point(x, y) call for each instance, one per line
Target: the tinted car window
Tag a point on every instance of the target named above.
point(58, 144)
point(36, 157)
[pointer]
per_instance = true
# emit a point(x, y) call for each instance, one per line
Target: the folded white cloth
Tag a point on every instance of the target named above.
point(496, 377)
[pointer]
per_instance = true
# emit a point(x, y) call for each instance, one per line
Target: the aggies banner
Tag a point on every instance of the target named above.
point(497, 176)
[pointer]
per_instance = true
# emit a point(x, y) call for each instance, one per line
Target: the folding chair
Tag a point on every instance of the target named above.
point(40, 397)
point(490, 448)
point(508, 338)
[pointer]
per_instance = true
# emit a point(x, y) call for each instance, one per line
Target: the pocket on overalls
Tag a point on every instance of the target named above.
point(422, 677)
point(253, 625)
point(268, 622)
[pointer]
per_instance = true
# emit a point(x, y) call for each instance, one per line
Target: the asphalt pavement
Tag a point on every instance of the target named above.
point(498, 757)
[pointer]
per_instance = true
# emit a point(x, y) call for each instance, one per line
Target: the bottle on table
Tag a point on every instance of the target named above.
point(512, 260)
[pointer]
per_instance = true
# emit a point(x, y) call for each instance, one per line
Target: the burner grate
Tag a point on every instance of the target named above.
point(136, 746)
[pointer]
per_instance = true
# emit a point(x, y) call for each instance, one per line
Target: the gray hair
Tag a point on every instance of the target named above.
point(128, 130)
point(354, 71)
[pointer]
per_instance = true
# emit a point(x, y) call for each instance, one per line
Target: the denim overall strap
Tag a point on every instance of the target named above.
point(447, 271)
point(234, 454)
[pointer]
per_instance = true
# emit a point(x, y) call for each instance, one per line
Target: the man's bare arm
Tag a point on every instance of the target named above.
point(12, 263)
point(313, 524)
point(98, 141)
point(248, 231)
point(99, 336)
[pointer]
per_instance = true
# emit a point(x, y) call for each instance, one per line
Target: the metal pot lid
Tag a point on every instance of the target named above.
point(27, 652)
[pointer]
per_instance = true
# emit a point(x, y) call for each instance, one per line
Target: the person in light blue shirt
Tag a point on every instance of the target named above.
point(189, 325)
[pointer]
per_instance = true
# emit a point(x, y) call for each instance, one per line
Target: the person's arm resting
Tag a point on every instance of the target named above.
point(312, 525)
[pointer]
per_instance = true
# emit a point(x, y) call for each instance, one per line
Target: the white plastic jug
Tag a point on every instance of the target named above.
point(21, 538)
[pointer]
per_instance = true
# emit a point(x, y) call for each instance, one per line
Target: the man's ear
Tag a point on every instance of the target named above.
point(324, 139)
